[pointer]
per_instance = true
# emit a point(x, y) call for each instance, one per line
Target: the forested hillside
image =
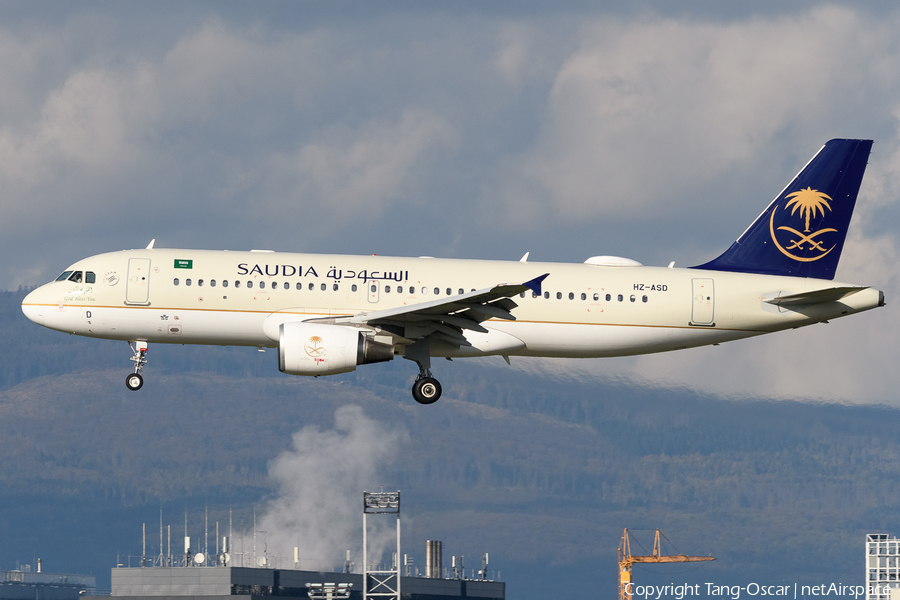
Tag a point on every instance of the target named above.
point(542, 473)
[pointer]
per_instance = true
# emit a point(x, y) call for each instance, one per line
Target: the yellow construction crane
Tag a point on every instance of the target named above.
point(626, 561)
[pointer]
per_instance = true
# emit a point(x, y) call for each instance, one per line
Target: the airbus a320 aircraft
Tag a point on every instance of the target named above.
point(327, 314)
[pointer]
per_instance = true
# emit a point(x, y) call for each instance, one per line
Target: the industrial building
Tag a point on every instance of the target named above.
point(207, 574)
point(27, 585)
point(245, 583)
point(882, 567)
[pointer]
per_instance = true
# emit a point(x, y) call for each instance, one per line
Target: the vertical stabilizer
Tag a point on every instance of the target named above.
point(802, 232)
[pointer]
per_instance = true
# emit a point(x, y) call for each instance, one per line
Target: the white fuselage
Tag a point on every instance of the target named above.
point(241, 298)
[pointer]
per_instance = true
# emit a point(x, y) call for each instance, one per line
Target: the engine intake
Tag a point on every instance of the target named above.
point(319, 349)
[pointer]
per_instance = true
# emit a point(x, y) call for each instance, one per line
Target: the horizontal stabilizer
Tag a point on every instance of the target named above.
point(817, 297)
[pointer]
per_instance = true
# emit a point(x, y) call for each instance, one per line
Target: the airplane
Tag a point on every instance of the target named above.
point(328, 314)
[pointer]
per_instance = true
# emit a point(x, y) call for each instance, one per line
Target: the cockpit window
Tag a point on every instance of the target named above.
point(76, 277)
point(89, 277)
point(64, 275)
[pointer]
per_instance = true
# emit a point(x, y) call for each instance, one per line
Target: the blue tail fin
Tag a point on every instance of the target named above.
point(801, 234)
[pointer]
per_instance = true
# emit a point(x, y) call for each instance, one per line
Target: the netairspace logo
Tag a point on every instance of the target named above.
point(734, 592)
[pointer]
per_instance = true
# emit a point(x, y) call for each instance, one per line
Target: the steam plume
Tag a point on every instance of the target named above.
point(319, 482)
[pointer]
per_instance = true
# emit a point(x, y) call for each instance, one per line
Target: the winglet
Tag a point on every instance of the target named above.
point(150, 245)
point(535, 284)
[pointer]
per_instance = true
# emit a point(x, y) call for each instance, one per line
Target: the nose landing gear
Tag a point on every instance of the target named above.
point(135, 381)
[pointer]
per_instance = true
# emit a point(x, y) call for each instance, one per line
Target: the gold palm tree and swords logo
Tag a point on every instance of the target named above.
point(315, 347)
point(808, 203)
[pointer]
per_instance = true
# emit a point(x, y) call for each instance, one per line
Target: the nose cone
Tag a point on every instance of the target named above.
point(33, 308)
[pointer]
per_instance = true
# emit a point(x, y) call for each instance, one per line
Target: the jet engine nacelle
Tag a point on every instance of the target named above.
point(319, 349)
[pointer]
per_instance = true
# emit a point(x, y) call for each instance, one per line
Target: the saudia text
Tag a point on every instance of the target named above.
point(333, 272)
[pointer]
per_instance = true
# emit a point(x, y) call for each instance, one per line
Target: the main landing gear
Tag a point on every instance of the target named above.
point(134, 381)
point(426, 389)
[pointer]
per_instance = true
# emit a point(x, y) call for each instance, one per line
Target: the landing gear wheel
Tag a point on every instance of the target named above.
point(134, 382)
point(426, 390)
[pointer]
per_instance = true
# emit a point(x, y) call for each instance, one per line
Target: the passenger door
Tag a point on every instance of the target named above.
point(137, 288)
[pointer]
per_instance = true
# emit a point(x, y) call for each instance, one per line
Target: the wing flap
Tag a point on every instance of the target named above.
point(483, 312)
point(456, 321)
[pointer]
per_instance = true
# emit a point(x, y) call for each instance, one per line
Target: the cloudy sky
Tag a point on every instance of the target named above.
point(655, 131)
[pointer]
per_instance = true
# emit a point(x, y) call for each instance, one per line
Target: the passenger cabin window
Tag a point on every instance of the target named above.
point(374, 288)
point(353, 288)
point(632, 298)
point(237, 284)
point(643, 298)
point(224, 283)
point(559, 295)
point(449, 292)
point(200, 282)
point(621, 297)
point(571, 295)
point(546, 295)
point(335, 287)
point(249, 284)
point(64, 275)
point(596, 297)
point(287, 285)
point(212, 283)
point(437, 291)
point(608, 297)
point(175, 281)
point(312, 286)
point(387, 289)
point(299, 286)
point(584, 296)
point(187, 282)
point(461, 291)
point(399, 289)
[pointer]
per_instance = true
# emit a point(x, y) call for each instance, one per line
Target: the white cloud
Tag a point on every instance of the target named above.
point(199, 132)
point(352, 175)
point(86, 123)
point(648, 110)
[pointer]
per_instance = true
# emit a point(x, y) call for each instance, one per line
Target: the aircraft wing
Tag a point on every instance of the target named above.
point(448, 317)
